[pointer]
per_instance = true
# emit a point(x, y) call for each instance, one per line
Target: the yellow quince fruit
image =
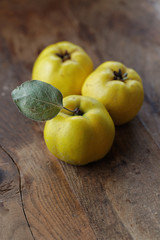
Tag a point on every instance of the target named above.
point(83, 137)
point(63, 65)
point(119, 88)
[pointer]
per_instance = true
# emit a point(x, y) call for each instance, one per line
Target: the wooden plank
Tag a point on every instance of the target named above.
point(133, 185)
point(52, 210)
point(118, 197)
point(14, 224)
point(33, 162)
point(125, 184)
point(38, 184)
point(89, 188)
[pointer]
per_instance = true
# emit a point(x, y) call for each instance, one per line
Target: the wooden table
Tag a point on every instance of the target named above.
point(117, 198)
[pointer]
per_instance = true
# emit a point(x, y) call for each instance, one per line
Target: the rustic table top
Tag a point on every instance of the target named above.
point(117, 198)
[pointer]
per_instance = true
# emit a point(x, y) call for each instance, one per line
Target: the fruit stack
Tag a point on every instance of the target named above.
point(80, 105)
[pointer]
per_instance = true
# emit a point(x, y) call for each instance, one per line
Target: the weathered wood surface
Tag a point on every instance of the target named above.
point(118, 197)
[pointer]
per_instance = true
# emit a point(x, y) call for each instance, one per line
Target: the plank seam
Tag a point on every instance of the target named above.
point(148, 131)
point(120, 219)
point(113, 209)
point(20, 190)
point(72, 190)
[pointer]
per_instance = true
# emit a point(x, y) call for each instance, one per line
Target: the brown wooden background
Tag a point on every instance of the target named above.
point(117, 198)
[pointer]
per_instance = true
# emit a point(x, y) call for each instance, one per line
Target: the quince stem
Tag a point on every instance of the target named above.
point(76, 111)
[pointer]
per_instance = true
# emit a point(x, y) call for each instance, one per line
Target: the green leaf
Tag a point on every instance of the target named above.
point(38, 100)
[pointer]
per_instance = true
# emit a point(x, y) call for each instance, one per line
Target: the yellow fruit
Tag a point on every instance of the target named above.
point(63, 65)
point(80, 139)
point(119, 88)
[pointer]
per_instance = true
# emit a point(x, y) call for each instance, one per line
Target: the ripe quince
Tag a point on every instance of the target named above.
point(82, 138)
point(63, 65)
point(119, 88)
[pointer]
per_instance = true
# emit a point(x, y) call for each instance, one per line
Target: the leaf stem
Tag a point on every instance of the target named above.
point(76, 111)
point(73, 111)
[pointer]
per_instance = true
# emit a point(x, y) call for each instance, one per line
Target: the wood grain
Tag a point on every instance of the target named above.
point(51, 208)
point(125, 184)
point(14, 224)
point(118, 197)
